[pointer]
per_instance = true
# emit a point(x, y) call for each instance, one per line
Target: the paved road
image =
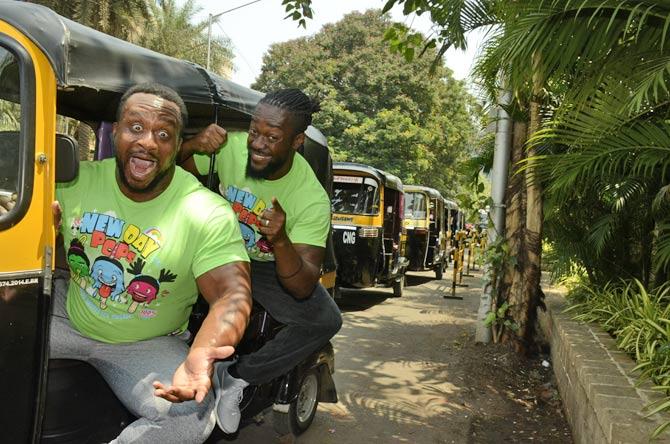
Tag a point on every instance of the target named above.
point(392, 375)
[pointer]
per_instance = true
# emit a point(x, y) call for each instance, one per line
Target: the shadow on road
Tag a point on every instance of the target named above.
point(415, 281)
point(359, 300)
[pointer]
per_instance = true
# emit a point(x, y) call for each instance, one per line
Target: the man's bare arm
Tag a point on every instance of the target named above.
point(298, 267)
point(227, 289)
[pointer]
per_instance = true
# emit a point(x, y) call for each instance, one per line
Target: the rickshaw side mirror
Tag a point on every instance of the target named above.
point(67, 158)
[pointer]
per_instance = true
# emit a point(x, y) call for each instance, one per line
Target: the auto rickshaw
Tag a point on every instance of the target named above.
point(426, 230)
point(50, 67)
point(368, 233)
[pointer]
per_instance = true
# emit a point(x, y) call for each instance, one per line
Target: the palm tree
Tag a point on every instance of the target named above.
point(175, 34)
point(124, 19)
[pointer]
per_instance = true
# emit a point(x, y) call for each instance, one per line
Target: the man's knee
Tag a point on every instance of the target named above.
point(328, 318)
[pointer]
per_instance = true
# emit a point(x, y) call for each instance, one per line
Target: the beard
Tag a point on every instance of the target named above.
point(271, 168)
point(147, 189)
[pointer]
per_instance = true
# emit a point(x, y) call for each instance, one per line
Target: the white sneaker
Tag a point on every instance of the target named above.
point(229, 395)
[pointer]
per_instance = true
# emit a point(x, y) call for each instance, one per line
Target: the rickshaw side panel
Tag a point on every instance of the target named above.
point(26, 259)
point(24, 315)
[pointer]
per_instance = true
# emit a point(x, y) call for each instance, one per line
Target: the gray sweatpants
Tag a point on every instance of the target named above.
point(130, 370)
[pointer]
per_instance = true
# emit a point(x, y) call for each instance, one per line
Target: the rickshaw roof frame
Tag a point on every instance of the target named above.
point(450, 204)
point(387, 179)
point(432, 192)
point(94, 65)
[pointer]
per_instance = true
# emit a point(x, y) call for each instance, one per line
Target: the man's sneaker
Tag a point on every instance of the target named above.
point(230, 392)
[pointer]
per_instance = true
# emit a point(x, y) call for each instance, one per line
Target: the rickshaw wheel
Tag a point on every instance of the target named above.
point(302, 410)
point(438, 272)
point(398, 286)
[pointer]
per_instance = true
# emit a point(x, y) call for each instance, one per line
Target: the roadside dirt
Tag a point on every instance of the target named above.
point(408, 371)
point(511, 399)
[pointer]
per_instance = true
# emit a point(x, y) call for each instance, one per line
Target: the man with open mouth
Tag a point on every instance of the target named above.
point(139, 208)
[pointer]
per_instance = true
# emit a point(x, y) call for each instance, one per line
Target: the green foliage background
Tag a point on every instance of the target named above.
point(377, 108)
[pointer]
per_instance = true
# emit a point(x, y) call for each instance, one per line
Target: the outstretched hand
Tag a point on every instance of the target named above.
point(193, 378)
point(273, 223)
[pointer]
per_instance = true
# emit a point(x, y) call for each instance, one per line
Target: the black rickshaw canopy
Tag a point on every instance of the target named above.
point(386, 179)
point(93, 70)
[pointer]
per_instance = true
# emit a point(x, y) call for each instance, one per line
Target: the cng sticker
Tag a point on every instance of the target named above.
point(349, 237)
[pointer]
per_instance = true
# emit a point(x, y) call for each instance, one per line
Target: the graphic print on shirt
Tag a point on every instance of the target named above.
point(144, 288)
point(107, 274)
point(248, 208)
point(118, 247)
point(80, 265)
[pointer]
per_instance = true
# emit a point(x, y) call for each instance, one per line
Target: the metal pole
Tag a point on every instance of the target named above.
point(209, 26)
point(498, 187)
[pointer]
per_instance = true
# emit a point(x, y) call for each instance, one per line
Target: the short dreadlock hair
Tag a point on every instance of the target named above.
point(297, 103)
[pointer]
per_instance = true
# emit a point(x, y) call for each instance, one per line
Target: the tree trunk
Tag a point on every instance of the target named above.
point(525, 234)
point(515, 221)
point(531, 296)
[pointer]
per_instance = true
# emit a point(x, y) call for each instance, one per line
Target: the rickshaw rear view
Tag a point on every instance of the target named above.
point(426, 230)
point(368, 234)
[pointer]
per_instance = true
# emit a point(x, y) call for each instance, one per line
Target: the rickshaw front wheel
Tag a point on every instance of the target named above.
point(302, 410)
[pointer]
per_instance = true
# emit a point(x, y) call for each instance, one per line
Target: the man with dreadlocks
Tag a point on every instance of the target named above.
point(284, 214)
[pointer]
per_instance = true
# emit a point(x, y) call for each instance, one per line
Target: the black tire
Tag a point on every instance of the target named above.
point(398, 286)
point(301, 411)
point(438, 272)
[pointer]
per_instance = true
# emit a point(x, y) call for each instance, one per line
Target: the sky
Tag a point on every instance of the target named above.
point(253, 28)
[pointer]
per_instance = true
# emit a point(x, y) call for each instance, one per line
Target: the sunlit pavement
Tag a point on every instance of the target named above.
point(391, 359)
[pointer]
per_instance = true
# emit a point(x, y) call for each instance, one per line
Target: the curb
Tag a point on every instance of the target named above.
point(596, 382)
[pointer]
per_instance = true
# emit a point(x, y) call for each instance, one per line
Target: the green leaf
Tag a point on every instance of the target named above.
point(389, 4)
point(489, 319)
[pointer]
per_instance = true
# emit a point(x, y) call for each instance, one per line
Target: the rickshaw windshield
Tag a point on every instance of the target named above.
point(355, 195)
point(10, 130)
point(415, 205)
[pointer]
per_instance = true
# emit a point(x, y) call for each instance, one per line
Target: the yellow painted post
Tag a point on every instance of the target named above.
point(473, 245)
point(453, 278)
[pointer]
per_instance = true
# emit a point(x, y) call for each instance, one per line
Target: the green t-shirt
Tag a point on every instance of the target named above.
point(133, 265)
point(299, 192)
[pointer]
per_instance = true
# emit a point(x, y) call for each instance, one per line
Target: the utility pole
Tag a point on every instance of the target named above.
point(499, 174)
point(209, 27)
